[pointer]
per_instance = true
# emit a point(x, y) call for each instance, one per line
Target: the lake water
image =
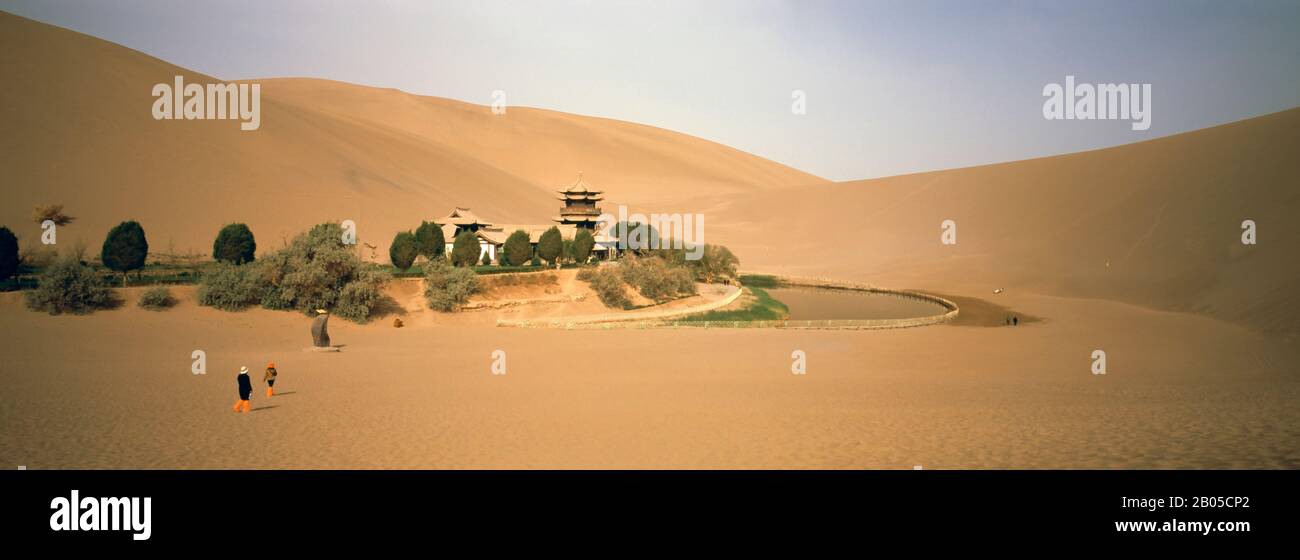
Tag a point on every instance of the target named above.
point(812, 304)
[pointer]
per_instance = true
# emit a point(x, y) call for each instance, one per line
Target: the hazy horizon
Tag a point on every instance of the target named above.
point(961, 86)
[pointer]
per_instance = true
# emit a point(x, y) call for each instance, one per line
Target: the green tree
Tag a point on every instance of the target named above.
point(550, 245)
point(465, 249)
point(566, 251)
point(8, 253)
point(716, 264)
point(518, 249)
point(429, 240)
point(125, 248)
point(583, 243)
point(234, 244)
point(636, 237)
point(403, 250)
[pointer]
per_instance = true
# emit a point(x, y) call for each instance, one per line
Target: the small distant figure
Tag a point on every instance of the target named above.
point(1015, 321)
point(269, 378)
point(1008, 322)
point(245, 391)
point(997, 290)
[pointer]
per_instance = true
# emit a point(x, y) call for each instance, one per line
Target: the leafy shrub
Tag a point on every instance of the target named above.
point(229, 287)
point(608, 285)
point(583, 243)
point(465, 250)
point(234, 244)
point(550, 246)
point(8, 253)
point(316, 271)
point(517, 249)
point(586, 273)
point(656, 279)
point(125, 248)
point(403, 250)
point(312, 273)
point(360, 297)
point(68, 286)
point(157, 298)
point(445, 287)
point(429, 240)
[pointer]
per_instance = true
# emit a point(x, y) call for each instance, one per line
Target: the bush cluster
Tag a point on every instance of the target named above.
point(230, 287)
point(157, 298)
point(608, 285)
point(316, 271)
point(447, 288)
point(655, 279)
point(68, 286)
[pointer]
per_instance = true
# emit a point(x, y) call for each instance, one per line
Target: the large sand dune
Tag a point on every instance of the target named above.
point(79, 131)
point(1156, 223)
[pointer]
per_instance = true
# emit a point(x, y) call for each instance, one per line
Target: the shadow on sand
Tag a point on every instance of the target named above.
point(267, 407)
point(387, 306)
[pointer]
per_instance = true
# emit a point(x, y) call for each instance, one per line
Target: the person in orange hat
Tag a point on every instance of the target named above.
point(269, 378)
point(245, 391)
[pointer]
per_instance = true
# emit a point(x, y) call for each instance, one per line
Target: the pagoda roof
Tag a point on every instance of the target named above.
point(463, 217)
point(574, 196)
point(579, 187)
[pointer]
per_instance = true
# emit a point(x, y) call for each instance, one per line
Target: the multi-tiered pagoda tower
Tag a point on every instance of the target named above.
point(579, 205)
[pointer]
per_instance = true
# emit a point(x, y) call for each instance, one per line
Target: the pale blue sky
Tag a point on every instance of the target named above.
point(892, 87)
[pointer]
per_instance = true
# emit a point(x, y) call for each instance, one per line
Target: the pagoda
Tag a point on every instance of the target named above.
point(580, 208)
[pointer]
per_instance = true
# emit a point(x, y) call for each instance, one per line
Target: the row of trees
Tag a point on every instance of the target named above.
point(124, 250)
point(126, 247)
point(427, 241)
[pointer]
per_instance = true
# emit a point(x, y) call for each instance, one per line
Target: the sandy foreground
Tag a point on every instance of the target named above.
point(1134, 250)
point(114, 390)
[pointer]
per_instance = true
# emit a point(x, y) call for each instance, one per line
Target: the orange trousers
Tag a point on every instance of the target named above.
point(243, 406)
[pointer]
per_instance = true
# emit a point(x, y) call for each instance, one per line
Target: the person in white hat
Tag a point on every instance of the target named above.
point(245, 391)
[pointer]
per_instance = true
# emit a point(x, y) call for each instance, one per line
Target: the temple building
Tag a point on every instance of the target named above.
point(580, 208)
point(580, 211)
